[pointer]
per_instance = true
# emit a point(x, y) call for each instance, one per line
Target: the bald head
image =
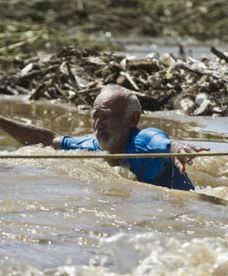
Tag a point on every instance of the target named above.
point(122, 98)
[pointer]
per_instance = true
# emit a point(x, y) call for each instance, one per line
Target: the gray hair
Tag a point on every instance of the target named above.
point(133, 104)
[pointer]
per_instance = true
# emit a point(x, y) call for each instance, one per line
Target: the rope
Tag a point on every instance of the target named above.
point(224, 140)
point(113, 156)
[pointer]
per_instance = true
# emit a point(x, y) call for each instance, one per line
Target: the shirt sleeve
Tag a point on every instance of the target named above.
point(69, 143)
point(152, 140)
point(80, 143)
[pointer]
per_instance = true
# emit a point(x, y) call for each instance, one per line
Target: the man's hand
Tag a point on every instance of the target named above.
point(180, 147)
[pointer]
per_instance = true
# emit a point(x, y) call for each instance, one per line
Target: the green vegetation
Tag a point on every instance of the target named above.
point(200, 19)
point(45, 25)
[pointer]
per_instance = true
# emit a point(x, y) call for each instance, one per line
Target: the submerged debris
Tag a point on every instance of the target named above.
point(161, 82)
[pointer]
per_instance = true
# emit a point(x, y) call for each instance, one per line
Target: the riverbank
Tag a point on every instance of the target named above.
point(161, 82)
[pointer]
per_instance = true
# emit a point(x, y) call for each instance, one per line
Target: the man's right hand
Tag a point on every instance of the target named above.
point(180, 147)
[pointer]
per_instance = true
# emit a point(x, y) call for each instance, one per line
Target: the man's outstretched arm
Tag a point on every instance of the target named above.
point(29, 134)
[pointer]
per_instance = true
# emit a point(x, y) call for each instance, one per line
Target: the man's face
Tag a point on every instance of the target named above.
point(110, 124)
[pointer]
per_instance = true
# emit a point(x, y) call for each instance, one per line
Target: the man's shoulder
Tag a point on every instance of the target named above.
point(151, 131)
point(150, 139)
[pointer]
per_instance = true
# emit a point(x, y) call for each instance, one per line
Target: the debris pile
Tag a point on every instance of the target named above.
point(161, 82)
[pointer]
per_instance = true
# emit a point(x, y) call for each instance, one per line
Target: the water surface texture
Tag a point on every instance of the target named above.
point(82, 217)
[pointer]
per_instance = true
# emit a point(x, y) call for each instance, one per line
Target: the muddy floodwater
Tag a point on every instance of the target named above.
point(82, 217)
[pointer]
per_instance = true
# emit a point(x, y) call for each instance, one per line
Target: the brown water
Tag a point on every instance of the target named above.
point(84, 218)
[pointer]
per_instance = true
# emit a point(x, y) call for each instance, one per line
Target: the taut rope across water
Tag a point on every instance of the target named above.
point(112, 156)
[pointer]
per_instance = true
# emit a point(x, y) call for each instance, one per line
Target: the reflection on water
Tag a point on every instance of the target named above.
point(71, 217)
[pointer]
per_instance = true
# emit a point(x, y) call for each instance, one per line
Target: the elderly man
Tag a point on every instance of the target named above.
point(115, 115)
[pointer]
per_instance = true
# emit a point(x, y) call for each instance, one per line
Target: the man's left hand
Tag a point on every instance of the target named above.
point(180, 147)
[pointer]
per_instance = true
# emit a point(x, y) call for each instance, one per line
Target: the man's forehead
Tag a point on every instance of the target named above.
point(100, 109)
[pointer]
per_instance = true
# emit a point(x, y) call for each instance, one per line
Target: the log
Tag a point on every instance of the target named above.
point(219, 54)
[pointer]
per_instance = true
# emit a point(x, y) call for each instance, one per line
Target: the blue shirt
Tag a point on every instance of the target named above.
point(158, 171)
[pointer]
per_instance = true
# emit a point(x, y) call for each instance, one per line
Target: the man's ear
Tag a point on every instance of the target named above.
point(134, 118)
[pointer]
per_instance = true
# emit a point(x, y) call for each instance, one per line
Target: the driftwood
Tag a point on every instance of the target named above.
point(161, 82)
point(219, 54)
